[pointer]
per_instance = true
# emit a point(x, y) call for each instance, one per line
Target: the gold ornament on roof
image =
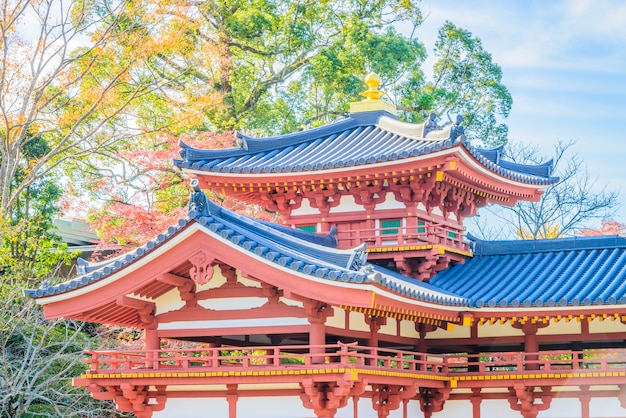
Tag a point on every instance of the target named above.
point(372, 101)
point(372, 81)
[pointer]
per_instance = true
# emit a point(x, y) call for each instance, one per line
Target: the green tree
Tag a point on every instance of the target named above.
point(277, 64)
point(465, 81)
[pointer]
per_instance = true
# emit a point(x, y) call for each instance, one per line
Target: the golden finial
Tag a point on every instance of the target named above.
point(372, 81)
point(372, 101)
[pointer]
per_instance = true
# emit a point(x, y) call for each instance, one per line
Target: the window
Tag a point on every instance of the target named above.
point(390, 226)
point(307, 228)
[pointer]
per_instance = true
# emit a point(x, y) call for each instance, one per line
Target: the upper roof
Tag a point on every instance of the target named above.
point(364, 138)
point(307, 253)
point(537, 273)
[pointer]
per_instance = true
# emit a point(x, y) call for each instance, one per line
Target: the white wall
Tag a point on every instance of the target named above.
point(291, 407)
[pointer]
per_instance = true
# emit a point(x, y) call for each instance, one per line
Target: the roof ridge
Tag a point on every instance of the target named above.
point(576, 243)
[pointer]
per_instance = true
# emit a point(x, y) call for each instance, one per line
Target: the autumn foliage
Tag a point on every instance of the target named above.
point(607, 228)
point(146, 194)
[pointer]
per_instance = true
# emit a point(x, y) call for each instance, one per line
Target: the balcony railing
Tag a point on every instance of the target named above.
point(403, 236)
point(353, 356)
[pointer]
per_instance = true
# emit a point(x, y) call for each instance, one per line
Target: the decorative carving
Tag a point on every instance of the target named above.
point(622, 396)
point(324, 199)
point(375, 322)
point(457, 130)
point(433, 399)
point(369, 196)
point(230, 273)
point(324, 398)
point(198, 202)
point(132, 398)
point(271, 292)
point(145, 310)
point(283, 202)
point(436, 196)
point(386, 398)
point(202, 271)
point(522, 398)
point(317, 311)
point(430, 125)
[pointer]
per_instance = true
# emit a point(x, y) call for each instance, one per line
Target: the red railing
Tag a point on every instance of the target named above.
point(430, 233)
point(355, 356)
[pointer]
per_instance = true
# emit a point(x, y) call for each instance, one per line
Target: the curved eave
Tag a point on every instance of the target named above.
point(85, 302)
point(333, 277)
point(381, 169)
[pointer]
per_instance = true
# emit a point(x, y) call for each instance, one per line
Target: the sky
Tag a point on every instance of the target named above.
point(564, 63)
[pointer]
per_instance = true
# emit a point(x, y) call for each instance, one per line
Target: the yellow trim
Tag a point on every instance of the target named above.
point(542, 376)
point(441, 249)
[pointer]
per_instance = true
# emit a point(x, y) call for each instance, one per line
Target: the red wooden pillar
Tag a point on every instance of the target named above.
point(153, 345)
point(317, 339)
point(375, 322)
point(584, 398)
point(317, 312)
point(476, 400)
point(531, 344)
point(421, 346)
point(232, 397)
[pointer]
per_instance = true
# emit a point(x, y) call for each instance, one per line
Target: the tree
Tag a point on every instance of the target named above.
point(145, 195)
point(465, 81)
point(608, 227)
point(72, 77)
point(281, 65)
point(276, 64)
point(564, 208)
point(38, 359)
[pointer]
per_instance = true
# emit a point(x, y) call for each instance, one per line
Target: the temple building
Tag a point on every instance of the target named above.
point(368, 298)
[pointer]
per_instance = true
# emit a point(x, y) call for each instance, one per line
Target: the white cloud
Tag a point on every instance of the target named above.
point(582, 34)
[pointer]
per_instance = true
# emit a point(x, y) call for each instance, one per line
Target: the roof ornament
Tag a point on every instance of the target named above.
point(373, 98)
point(372, 81)
point(430, 124)
point(457, 131)
point(198, 202)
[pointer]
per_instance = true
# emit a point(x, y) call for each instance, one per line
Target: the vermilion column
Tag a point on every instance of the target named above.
point(476, 401)
point(232, 397)
point(153, 344)
point(317, 338)
point(584, 398)
point(317, 312)
point(531, 344)
point(375, 322)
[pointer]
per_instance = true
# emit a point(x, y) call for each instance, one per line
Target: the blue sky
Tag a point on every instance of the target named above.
point(564, 63)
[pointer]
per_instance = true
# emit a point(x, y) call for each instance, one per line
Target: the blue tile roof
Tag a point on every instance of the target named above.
point(308, 253)
point(579, 271)
point(363, 138)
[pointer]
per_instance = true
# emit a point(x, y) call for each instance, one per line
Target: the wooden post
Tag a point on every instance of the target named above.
point(232, 397)
point(153, 345)
point(375, 322)
point(476, 400)
point(317, 312)
point(531, 344)
point(584, 398)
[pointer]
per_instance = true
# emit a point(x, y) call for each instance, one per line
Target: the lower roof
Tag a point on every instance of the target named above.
point(580, 271)
point(567, 272)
